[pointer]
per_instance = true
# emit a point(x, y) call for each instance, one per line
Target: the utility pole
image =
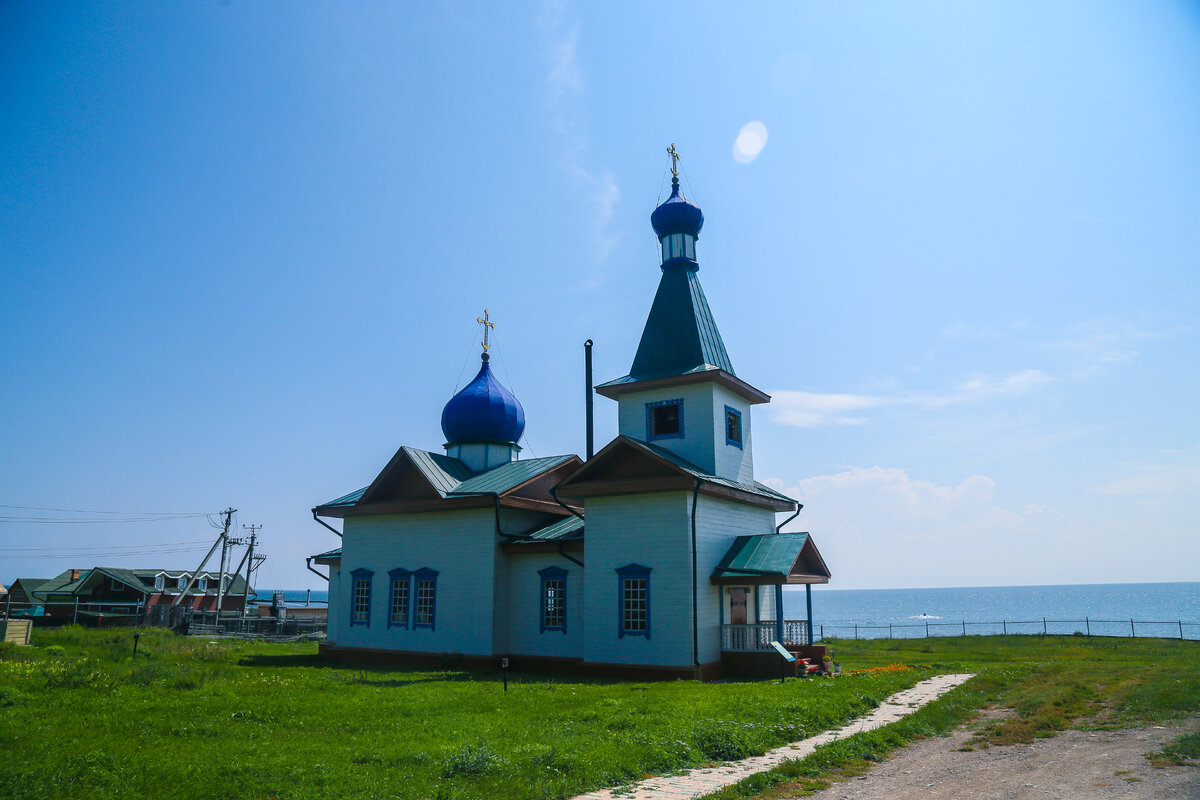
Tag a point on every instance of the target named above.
point(224, 552)
point(229, 512)
point(254, 529)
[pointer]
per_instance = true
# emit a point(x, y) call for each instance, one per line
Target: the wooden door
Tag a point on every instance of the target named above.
point(737, 605)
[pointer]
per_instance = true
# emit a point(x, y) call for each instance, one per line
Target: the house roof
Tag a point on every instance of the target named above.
point(666, 464)
point(449, 477)
point(564, 530)
point(774, 558)
point(754, 487)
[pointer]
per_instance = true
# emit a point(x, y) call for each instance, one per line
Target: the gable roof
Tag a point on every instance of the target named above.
point(446, 478)
point(658, 467)
point(772, 558)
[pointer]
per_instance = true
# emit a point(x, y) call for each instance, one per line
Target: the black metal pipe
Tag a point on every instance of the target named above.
point(308, 563)
point(562, 552)
point(554, 494)
point(587, 369)
point(326, 524)
point(799, 508)
point(695, 588)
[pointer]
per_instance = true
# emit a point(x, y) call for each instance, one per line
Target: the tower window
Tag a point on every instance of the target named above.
point(733, 427)
point(678, 245)
point(664, 420)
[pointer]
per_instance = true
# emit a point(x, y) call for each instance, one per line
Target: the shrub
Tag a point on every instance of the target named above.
point(471, 760)
point(9, 696)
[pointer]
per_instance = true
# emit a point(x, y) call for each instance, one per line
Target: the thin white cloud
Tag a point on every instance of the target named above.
point(812, 409)
point(1101, 343)
point(882, 527)
point(564, 86)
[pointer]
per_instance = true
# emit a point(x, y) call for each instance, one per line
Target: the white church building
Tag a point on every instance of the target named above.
point(659, 557)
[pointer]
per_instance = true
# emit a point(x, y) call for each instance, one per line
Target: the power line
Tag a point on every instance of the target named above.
point(139, 513)
point(101, 547)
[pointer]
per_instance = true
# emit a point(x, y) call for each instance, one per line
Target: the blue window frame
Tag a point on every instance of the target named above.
point(398, 597)
point(553, 599)
point(425, 607)
point(664, 419)
point(633, 601)
point(733, 426)
point(360, 597)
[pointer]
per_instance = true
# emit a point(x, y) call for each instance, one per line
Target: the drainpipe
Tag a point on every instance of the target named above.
point(554, 494)
point(562, 552)
point(799, 508)
point(308, 564)
point(587, 369)
point(695, 588)
point(326, 524)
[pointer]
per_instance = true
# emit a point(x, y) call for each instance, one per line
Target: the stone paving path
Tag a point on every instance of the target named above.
point(700, 782)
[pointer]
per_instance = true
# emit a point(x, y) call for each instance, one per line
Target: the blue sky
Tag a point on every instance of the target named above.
point(243, 245)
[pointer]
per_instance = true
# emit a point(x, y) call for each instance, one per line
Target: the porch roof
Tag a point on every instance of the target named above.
point(772, 558)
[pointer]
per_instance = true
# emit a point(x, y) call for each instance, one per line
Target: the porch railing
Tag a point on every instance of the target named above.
point(749, 638)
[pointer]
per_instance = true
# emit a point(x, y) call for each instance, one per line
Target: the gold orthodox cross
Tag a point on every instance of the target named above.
point(486, 326)
point(674, 154)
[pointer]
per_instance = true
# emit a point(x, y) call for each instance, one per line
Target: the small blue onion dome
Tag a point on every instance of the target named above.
point(484, 411)
point(677, 215)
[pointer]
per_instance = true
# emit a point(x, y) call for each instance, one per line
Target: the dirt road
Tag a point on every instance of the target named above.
point(1075, 765)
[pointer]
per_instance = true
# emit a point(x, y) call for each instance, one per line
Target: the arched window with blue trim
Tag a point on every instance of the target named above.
point(360, 597)
point(425, 606)
point(401, 581)
point(554, 599)
point(633, 601)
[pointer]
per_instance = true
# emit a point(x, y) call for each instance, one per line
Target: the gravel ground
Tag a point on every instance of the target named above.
point(1075, 765)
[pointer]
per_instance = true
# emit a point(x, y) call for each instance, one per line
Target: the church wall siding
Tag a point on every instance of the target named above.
point(523, 607)
point(651, 530)
point(460, 545)
point(718, 523)
point(732, 462)
point(697, 444)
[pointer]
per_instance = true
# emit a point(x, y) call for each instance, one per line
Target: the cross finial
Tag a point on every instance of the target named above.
point(486, 327)
point(674, 154)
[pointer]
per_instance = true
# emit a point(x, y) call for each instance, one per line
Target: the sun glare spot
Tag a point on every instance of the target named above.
point(750, 142)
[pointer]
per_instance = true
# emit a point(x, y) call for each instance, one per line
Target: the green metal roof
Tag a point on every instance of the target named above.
point(347, 499)
point(443, 472)
point(451, 478)
point(766, 554)
point(753, 488)
point(680, 336)
point(564, 530)
point(334, 553)
point(506, 476)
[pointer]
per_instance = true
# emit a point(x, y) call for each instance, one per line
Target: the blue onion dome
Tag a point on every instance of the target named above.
point(677, 215)
point(483, 412)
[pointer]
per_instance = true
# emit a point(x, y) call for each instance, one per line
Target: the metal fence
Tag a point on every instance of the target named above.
point(1177, 629)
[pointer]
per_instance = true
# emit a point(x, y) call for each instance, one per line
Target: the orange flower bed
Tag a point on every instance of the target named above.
point(879, 670)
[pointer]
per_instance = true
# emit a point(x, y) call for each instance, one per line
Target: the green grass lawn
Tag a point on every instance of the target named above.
point(82, 717)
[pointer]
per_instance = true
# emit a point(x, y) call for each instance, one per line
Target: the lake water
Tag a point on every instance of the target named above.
point(1105, 609)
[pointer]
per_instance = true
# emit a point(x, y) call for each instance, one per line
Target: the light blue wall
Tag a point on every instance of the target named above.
point(718, 523)
point(651, 530)
point(523, 607)
point(460, 545)
point(703, 442)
